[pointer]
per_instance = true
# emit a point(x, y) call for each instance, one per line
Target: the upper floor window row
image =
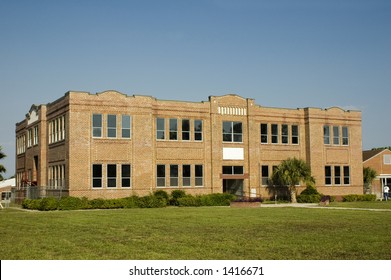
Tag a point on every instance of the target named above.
point(275, 134)
point(116, 127)
point(32, 136)
point(57, 129)
point(21, 144)
point(175, 129)
point(335, 135)
point(232, 132)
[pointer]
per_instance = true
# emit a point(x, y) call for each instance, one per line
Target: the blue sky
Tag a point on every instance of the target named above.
point(303, 53)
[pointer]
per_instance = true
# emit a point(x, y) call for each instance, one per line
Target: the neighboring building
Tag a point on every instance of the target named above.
point(379, 160)
point(110, 145)
point(7, 188)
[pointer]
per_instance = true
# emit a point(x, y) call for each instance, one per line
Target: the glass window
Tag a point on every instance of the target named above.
point(337, 175)
point(295, 134)
point(186, 175)
point(112, 126)
point(232, 132)
point(160, 129)
point(387, 159)
point(265, 175)
point(173, 129)
point(275, 135)
point(336, 135)
point(125, 175)
point(35, 139)
point(199, 175)
point(198, 130)
point(185, 130)
point(327, 171)
point(97, 175)
point(97, 125)
point(173, 175)
point(126, 121)
point(346, 175)
point(233, 170)
point(326, 135)
point(160, 175)
point(284, 134)
point(29, 137)
point(345, 135)
point(264, 133)
point(111, 175)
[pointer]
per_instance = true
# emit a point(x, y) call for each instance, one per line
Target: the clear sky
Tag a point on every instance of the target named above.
point(282, 53)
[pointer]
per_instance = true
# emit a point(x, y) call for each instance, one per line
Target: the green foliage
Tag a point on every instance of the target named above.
point(309, 198)
point(175, 195)
point(369, 174)
point(130, 202)
point(151, 201)
point(359, 197)
point(73, 203)
point(48, 204)
point(162, 195)
point(310, 190)
point(217, 199)
point(2, 168)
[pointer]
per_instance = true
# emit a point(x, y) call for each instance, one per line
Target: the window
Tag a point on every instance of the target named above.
point(264, 134)
point(112, 126)
point(126, 121)
point(233, 170)
point(345, 136)
point(232, 132)
point(111, 175)
point(160, 175)
point(160, 129)
point(199, 176)
point(5, 195)
point(173, 175)
point(275, 135)
point(336, 135)
point(265, 175)
point(35, 139)
point(284, 134)
point(125, 175)
point(97, 175)
point(295, 134)
point(29, 138)
point(198, 130)
point(186, 175)
point(328, 176)
point(97, 125)
point(337, 175)
point(21, 144)
point(173, 129)
point(346, 175)
point(56, 176)
point(326, 135)
point(387, 159)
point(185, 130)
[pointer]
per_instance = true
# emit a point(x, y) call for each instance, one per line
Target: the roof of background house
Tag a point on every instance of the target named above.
point(8, 183)
point(366, 155)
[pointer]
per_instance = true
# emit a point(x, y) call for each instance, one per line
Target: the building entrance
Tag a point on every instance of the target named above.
point(233, 186)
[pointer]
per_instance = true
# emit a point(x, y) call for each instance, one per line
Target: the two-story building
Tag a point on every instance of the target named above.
point(110, 145)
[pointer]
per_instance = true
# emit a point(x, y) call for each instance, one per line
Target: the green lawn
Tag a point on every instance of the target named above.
point(363, 204)
point(205, 233)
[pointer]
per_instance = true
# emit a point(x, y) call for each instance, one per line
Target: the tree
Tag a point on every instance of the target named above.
point(292, 172)
point(369, 175)
point(2, 168)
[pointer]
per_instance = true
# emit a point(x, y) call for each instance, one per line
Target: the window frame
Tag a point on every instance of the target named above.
point(264, 133)
point(186, 175)
point(336, 136)
point(95, 127)
point(295, 137)
point(95, 178)
point(275, 134)
point(161, 179)
point(160, 129)
point(110, 127)
point(199, 175)
point(326, 135)
point(174, 175)
point(186, 131)
point(232, 136)
point(125, 177)
point(198, 130)
point(173, 129)
point(126, 130)
point(284, 134)
point(345, 136)
point(111, 176)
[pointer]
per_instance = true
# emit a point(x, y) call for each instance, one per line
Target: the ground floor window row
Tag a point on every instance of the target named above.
point(111, 176)
point(334, 175)
point(56, 176)
point(179, 175)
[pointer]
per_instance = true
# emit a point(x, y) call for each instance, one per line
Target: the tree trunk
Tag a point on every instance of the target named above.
point(293, 195)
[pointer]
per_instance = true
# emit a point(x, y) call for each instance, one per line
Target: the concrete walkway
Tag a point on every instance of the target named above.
point(317, 206)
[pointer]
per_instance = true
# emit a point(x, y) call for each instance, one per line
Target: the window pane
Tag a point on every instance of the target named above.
point(198, 130)
point(264, 135)
point(238, 170)
point(237, 127)
point(265, 175)
point(111, 175)
point(199, 175)
point(336, 135)
point(161, 175)
point(173, 129)
point(337, 175)
point(274, 133)
point(160, 128)
point(326, 134)
point(186, 171)
point(125, 126)
point(227, 170)
point(285, 134)
point(345, 135)
point(125, 173)
point(96, 126)
point(185, 130)
point(111, 126)
point(96, 175)
point(328, 175)
point(295, 134)
point(346, 175)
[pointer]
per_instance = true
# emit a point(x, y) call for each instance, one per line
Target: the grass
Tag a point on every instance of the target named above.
point(206, 233)
point(363, 204)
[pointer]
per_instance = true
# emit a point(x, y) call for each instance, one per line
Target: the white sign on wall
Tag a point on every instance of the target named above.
point(233, 154)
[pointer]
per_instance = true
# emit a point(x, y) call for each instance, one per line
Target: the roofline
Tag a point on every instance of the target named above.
point(380, 151)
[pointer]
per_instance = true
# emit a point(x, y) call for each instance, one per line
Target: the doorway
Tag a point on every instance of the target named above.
point(233, 186)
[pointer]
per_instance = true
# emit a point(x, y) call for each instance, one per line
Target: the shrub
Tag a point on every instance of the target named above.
point(130, 202)
point(220, 199)
point(150, 201)
point(32, 204)
point(73, 203)
point(358, 197)
point(48, 204)
point(309, 198)
point(162, 195)
point(189, 201)
point(175, 195)
point(309, 190)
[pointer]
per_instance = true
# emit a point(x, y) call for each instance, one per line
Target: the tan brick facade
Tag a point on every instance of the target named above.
point(88, 142)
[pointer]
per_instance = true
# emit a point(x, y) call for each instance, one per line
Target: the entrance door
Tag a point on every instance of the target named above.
point(233, 186)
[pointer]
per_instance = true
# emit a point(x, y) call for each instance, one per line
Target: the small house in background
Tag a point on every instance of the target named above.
point(7, 188)
point(379, 160)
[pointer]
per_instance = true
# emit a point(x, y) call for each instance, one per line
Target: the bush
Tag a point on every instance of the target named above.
point(150, 201)
point(359, 197)
point(73, 203)
point(32, 204)
point(48, 204)
point(189, 201)
point(130, 202)
point(309, 190)
point(162, 195)
point(309, 198)
point(217, 199)
point(175, 195)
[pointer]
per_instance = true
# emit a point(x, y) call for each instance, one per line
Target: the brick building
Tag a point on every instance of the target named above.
point(379, 160)
point(110, 145)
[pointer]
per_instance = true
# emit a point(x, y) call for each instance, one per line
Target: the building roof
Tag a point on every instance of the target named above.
point(8, 183)
point(366, 155)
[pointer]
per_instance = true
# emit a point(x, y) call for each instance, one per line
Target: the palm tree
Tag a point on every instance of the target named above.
point(2, 168)
point(290, 173)
point(369, 175)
